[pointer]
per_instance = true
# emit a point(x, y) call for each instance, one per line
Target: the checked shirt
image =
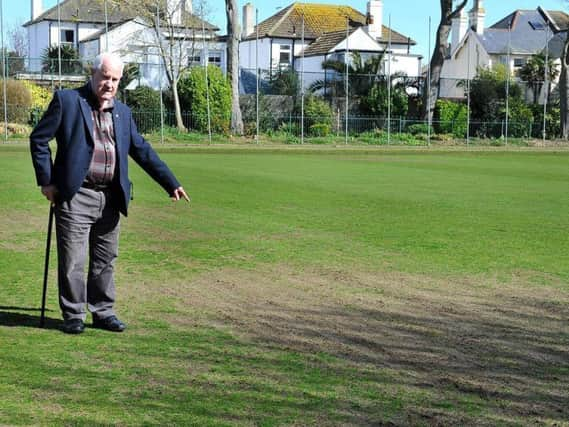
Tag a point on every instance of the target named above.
point(102, 168)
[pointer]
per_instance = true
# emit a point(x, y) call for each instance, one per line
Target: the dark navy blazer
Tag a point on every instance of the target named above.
point(69, 119)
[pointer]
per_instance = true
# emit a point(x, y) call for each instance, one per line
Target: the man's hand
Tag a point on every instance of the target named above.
point(50, 192)
point(179, 193)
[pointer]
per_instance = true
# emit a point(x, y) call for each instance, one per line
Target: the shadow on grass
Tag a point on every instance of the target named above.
point(11, 317)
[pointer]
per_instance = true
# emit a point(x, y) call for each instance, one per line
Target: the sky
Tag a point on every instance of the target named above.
point(409, 17)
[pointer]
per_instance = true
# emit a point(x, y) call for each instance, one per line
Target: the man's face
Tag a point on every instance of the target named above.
point(106, 81)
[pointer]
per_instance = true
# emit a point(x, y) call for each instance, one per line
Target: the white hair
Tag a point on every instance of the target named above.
point(112, 57)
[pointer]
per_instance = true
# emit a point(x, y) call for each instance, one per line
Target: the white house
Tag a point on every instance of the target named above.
point(512, 41)
point(90, 29)
point(303, 35)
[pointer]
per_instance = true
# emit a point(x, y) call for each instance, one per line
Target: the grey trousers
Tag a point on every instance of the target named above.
point(88, 224)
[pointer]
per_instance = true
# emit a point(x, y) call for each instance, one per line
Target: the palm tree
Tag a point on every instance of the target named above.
point(70, 63)
point(366, 82)
point(533, 72)
point(362, 75)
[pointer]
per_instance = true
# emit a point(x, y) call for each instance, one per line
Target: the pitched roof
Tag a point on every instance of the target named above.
point(93, 11)
point(318, 20)
point(325, 43)
point(84, 11)
point(525, 36)
point(557, 19)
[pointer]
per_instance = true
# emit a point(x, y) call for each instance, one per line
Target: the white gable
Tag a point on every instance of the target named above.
point(359, 40)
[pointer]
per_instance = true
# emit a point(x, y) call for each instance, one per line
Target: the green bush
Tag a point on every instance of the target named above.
point(18, 101)
point(317, 112)
point(145, 104)
point(70, 63)
point(418, 128)
point(41, 96)
point(520, 116)
point(552, 122)
point(319, 129)
point(143, 98)
point(194, 98)
point(290, 128)
point(375, 102)
point(452, 118)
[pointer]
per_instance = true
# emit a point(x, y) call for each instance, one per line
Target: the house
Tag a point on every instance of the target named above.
point(91, 28)
point(303, 35)
point(511, 41)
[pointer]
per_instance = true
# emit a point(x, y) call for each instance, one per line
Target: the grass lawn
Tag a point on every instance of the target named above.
point(306, 287)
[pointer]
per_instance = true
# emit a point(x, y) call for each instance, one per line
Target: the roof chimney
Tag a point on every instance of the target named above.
point(248, 20)
point(374, 18)
point(476, 17)
point(37, 8)
point(177, 9)
point(459, 27)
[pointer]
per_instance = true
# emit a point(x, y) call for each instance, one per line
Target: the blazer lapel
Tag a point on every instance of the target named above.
point(87, 115)
point(117, 127)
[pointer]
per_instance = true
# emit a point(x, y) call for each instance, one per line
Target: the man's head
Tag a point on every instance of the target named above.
point(105, 77)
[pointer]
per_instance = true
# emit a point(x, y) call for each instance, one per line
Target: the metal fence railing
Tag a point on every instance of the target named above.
point(282, 103)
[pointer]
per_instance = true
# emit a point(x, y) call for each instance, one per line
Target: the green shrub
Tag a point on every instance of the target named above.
point(552, 122)
point(41, 96)
point(145, 104)
point(452, 118)
point(317, 111)
point(290, 128)
point(194, 98)
point(375, 102)
point(70, 63)
point(520, 116)
point(319, 129)
point(18, 100)
point(418, 128)
point(143, 98)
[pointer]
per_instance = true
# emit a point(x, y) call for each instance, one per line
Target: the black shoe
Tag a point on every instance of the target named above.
point(73, 326)
point(110, 323)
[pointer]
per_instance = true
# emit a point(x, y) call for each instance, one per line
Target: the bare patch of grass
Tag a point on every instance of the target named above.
point(506, 345)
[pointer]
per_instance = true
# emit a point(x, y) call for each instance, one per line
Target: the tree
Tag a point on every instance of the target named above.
point(194, 98)
point(18, 41)
point(284, 82)
point(70, 63)
point(174, 33)
point(564, 87)
point(233, 34)
point(488, 101)
point(533, 72)
point(362, 75)
point(366, 83)
point(15, 63)
point(130, 73)
point(437, 60)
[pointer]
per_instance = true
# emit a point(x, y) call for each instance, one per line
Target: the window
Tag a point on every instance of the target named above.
point(285, 55)
point(67, 36)
point(519, 62)
point(214, 58)
point(194, 60)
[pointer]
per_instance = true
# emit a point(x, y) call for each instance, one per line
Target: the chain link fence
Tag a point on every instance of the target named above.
point(315, 107)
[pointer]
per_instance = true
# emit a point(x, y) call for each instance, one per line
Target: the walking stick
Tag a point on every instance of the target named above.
point(46, 267)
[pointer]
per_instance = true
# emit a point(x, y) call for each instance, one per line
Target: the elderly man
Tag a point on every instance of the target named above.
point(88, 186)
